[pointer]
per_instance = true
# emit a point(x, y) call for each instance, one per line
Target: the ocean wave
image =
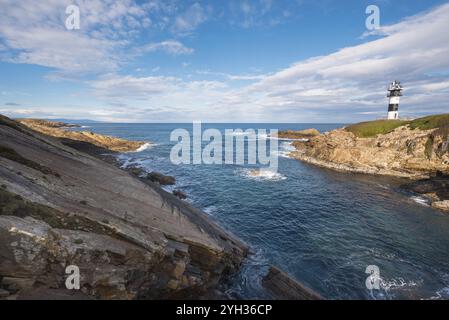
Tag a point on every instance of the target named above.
point(262, 175)
point(144, 147)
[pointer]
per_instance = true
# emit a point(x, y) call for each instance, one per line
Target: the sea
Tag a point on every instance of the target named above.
point(326, 229)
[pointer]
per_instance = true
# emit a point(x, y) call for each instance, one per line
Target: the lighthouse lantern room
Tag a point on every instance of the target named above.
point(394, 93)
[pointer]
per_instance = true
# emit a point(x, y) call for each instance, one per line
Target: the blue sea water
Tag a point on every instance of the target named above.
point(322, 227)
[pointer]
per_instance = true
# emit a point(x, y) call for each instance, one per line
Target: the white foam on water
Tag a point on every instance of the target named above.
point(210, 210)
point(262, 175)
point(285, 148)
point(237, 133)
point(421, 200)
point(144, 147)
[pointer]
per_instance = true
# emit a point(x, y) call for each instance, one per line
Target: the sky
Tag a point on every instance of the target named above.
point(307, 61)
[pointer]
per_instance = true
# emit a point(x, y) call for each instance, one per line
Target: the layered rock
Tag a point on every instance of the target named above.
point(57, 129)
point(403, 152)
point(130, 239)
point(284, 287)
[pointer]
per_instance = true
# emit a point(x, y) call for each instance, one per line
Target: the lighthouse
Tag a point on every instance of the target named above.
point(394, 93)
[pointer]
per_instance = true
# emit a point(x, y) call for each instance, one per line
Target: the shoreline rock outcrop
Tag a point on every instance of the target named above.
point(403, 151)
point(284, 287)
point(58, 130)
point(129, 238)
point(435, 188)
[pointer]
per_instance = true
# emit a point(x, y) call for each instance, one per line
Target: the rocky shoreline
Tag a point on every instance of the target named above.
point(406, 152)
point(58, 130)
point(129, 238)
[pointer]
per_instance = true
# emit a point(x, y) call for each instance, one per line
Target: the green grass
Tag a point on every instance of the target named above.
point(430, 122)
point(373, 128)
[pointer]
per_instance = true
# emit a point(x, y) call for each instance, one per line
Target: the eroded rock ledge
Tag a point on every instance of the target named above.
point(130, 239)
point(58, 130)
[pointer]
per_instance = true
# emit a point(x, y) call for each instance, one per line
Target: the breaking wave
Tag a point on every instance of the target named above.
point(144, 147)
point(262, 175)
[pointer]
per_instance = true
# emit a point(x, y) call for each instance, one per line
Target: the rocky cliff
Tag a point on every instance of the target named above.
point(130, 239)
point(404, 150)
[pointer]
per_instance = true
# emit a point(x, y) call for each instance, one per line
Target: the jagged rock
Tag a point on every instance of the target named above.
point(180, 194)
point(161, 179)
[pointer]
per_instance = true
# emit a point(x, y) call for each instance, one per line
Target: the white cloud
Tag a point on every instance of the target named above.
point(173, 47)
point(344, 84)
point(133, 87)
point(33, 32)
point(190, 19)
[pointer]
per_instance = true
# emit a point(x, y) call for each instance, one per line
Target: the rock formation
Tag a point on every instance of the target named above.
point(130, 240)
point(402, 151)
point(435, 188)
point(283, 287)
point(56, 129)
point(161, 179)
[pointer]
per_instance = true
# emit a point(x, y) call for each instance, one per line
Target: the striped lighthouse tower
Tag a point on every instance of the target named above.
point(394, 93)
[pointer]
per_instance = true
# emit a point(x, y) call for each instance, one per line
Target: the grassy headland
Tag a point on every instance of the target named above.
point(372, 128)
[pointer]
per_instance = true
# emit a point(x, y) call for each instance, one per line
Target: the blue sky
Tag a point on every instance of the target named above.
point(222, 61)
